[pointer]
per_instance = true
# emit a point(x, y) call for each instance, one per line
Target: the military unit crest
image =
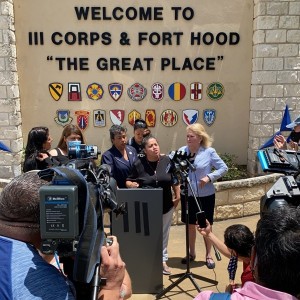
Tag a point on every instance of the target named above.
point(177, 91)
point(132, 116)
point(190, 116)
point(115, 90)
point(56, 90)
point(82, 118)
point(117, 116)
point(94, 91)
point(136, 92)
point(99, 118)
point(63, 117)
point(157, 91)
point(169, 117)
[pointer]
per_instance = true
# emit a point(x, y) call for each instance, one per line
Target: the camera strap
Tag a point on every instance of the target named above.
point(91, 230)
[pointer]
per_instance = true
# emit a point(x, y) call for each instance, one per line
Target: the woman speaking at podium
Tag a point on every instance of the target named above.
point(150, 171)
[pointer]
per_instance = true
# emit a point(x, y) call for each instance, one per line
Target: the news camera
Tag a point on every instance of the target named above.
point(76, 150)
point(285, 191)
point(72, 209)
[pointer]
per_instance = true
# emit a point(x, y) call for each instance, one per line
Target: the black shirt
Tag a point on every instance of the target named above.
point(153, 174)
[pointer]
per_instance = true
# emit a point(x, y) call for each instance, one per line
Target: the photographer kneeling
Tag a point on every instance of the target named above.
point(24, 274)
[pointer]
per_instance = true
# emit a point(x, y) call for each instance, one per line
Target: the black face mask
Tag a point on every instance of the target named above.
point(295, 136)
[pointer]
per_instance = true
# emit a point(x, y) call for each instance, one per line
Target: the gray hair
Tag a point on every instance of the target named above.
point(19, 200)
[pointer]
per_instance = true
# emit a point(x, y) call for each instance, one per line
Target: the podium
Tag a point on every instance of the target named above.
point(139, 234)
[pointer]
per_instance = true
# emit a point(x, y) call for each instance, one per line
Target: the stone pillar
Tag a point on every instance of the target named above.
point(275, 71)
point(10, 112)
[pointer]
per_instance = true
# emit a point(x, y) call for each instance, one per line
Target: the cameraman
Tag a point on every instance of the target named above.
point(24, 274)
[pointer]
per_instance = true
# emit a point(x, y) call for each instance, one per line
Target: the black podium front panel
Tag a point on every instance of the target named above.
point(139, 234)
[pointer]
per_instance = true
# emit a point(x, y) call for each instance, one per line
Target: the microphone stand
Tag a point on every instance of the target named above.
point(188, 274)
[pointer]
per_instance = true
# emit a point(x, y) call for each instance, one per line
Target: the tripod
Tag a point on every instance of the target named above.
point(188, 274)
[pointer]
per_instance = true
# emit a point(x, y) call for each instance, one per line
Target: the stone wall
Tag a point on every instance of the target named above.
point(237, 198)
point(275, 71)
point(275, 78)
point(10, 111)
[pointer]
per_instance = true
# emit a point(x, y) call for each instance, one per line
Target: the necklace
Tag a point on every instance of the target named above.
point(153, 166)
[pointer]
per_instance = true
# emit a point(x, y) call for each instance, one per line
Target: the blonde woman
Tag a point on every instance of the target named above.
point(209, 167)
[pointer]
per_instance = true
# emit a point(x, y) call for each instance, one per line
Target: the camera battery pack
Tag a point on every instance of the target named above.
point(59, 211)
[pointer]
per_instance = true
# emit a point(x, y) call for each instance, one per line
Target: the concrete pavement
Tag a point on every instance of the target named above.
point(185, 289)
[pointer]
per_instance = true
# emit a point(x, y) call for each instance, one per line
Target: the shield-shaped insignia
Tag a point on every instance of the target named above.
point(94, 91)
point(74, 91)
point(82, 118)
point(157, 91)
point(150, 117)
point(215, 91)
point(63, 117)
point(99, 118)
point(137, 92)
point(196, 91)
point(190, 116)
point(132, 116)
point(56, 90)
point(169, 117)
point(117, 116)
point(177, 91)
point(209, 116)
point(115, 90)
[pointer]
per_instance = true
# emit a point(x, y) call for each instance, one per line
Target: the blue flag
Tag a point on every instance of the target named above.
point(286, 119)
point(269, 142)
point(4, 147)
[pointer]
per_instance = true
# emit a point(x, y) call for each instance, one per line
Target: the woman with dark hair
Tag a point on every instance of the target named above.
point(119, 157)
point(36, 151)
point(70, 133)
point(150, 171)
point(140, 130)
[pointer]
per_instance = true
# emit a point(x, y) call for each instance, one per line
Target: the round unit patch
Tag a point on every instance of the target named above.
point(215, 91)
point(169, 117)
point(94, 91)
point(177, 91)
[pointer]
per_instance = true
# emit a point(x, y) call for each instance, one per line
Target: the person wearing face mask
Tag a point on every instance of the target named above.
point(37, 156)
point(280, 141)
point(70, 133)
point(150, 171)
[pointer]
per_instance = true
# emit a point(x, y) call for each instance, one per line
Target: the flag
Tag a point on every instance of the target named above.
point(286, 119)
point(269, 142)
point(4, 147)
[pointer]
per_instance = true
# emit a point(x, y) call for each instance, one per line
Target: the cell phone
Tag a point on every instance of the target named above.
point(201, 218)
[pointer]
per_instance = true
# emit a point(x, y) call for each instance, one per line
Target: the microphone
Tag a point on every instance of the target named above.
point(217, 254)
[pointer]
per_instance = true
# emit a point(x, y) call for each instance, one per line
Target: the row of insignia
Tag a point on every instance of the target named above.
point(168, 117)
point(137, 92)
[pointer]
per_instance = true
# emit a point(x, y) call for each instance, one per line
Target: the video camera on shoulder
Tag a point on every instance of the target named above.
point(72, 208)
point(286, 190)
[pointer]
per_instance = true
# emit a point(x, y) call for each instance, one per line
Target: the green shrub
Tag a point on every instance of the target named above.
point(235, 171)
